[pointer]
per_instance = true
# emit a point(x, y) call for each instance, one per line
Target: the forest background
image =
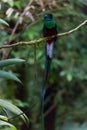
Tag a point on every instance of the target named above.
point(68, 76)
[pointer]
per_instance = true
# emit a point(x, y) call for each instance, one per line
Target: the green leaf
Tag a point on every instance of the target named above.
point(14, 109)
point(69, 76)
point(10, 2)
point(10, 62)
point(3, 22)
point(4, 118)
point(9, 75)
point(3, 123)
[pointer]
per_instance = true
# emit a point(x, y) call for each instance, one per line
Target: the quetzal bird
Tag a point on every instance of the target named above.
point(50, 28)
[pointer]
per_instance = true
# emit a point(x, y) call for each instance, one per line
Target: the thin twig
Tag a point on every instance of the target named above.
point(43, 39)
point(35, 63)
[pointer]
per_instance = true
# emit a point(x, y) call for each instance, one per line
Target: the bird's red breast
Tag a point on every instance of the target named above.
point(50, 32)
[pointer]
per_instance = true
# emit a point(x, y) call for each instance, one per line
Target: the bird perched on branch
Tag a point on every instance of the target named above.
point(50, 28)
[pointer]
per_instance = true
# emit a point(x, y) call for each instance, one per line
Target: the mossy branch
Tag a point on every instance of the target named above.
point(43, 39)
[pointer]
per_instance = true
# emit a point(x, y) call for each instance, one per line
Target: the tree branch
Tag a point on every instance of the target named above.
point(43, 39)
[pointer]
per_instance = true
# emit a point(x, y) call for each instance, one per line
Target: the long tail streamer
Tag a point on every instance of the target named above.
point(48, 65)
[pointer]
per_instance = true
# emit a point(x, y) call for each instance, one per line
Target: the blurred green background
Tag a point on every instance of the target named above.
point(68, 76)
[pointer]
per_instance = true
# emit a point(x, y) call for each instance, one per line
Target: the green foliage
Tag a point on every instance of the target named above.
point(6, 104)
point(68, 76)
point(3, 123)
point(4, 120)
point(3, 22)
point(7, 62)
point(14, 109)
point(9, 75)
point(10, 2)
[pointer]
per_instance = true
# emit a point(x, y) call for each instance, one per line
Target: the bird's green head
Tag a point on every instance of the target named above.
point(48, 16)
point(49, 21)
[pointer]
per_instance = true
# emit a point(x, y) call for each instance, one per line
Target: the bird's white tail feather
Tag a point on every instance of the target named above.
point(49, 49)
